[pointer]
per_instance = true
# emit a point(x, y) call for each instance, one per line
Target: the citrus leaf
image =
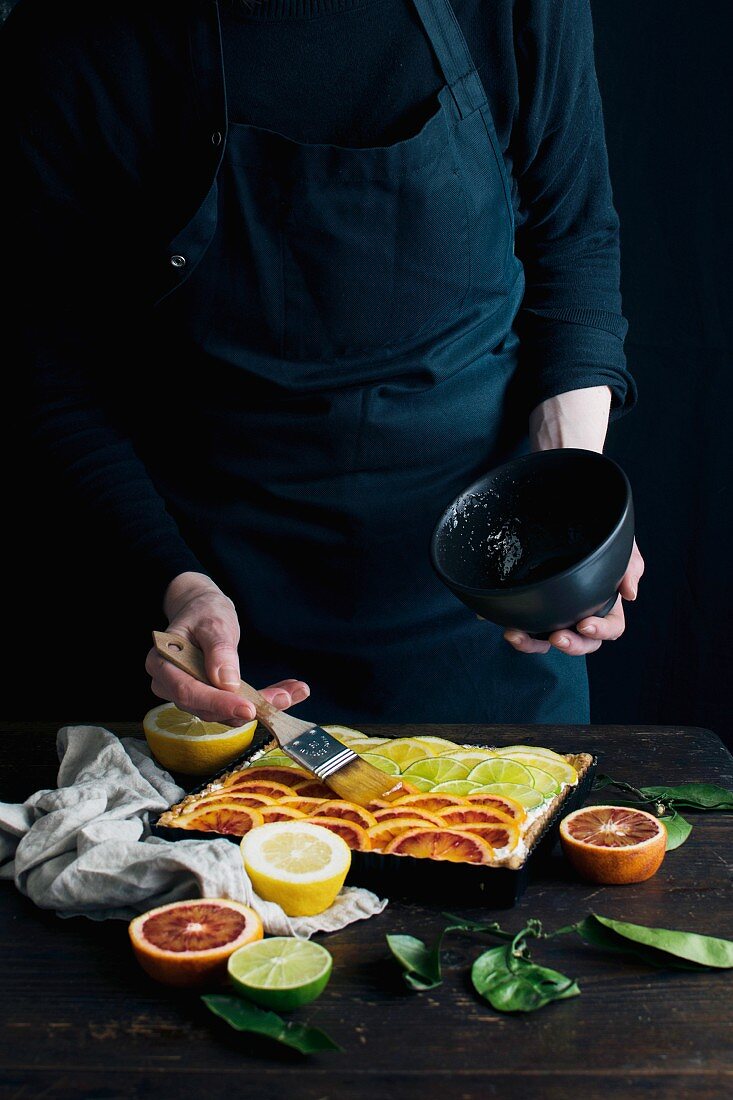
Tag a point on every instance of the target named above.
point(678, 830)
point(693, 796)
point(665, 948)
point(421, 964)
point(512, 983)
point(244, 1016)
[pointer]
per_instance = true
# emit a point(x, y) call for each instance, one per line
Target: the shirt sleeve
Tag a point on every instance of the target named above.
point(570, 324)
point(65, 235)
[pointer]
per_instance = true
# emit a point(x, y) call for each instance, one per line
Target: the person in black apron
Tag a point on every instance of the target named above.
point(357, 304)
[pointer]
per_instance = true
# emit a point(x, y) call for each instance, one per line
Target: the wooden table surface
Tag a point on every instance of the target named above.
point(81, 1020)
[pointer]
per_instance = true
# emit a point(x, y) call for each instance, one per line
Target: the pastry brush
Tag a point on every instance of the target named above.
point(308, 744)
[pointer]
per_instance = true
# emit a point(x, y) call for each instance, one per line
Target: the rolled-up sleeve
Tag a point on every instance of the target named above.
point(567, 230)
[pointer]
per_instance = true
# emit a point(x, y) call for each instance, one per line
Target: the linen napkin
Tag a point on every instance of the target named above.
point(85, 849)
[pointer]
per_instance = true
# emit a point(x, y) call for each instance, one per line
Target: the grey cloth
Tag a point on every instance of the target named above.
point(86, 849)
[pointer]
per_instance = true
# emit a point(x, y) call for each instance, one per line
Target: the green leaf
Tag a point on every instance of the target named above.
point(693, 796)
point(662, 947)
point(512, 983)
point(421, 964)
point(677, 828)
point(244, 1016)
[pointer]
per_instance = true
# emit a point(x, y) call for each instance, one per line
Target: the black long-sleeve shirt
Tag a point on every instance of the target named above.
point(109, 111)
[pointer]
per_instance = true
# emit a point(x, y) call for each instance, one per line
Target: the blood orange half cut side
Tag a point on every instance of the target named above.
point(613, 844)
point(188, 943)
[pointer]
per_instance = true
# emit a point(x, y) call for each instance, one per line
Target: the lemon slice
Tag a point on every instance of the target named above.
point(439, 769)
point(369, 744)
point(297, 864)
point(528, 750)
point(469, 757)
point(284, 974)
point(455, 786)
point(345, 733)
point(437, 745)
point(182, 742)
point(500, 770)
point(559, 769)
point(404, 751)
point(382, 762)
point(528, 797)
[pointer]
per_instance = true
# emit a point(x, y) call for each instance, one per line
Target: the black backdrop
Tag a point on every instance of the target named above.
point(75, 631)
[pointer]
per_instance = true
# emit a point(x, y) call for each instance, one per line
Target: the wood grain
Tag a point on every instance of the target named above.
point(80, 1020)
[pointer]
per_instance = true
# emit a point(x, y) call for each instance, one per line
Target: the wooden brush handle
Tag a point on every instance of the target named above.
point(186, 656)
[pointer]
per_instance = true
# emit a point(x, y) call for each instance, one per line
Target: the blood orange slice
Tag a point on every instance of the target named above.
point(384, 832)
point(397, 813)
point(280, 812)
point(188, 943)
point(229, 796)
point(613, 844)
point(305, 805)
point(355, 836)
point(433, 803)
point(462, 817)
point(312, 788)
point(500, 802)
point(504, 834)
point(346, 811)
point(228, 818)
point(244, 785)
point(426, 843)
point(274, 774)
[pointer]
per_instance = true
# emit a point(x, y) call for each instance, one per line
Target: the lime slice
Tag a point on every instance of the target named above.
point(469, 757)
point(455, 786)
point(439, 769)
point(273, 759)
point(404, 751)
point(382, 762)
point(528, 750)
point(527, 796)
point(500, 770)
point(281, 973)
point(437, 745)
point(420, 784)
point(559, 769)
point(545, 783)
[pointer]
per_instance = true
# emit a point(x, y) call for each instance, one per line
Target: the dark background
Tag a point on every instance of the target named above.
point(76, 632)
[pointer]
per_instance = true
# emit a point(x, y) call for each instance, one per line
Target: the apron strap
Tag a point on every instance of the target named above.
point(453, 54)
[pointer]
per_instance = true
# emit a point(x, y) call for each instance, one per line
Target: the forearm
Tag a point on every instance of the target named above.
point(578, 418)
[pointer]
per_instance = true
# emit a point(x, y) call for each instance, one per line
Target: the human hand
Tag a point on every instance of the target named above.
point(199, 611)
point(589, 634)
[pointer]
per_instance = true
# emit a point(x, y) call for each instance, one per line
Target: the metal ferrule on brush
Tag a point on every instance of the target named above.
point(319, 752)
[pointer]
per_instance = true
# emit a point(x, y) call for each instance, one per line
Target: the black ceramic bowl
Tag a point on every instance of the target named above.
point(539, 543)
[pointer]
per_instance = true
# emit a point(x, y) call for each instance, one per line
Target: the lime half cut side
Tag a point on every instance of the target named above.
point(283, 975)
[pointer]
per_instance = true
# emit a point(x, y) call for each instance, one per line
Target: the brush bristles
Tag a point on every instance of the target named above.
point(360, 782)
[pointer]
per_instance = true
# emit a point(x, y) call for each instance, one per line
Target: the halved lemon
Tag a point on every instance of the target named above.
point(299, 865)
point(181, 742)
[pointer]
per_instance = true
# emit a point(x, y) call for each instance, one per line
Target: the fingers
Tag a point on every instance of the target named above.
point(218, 636)
point(524, 644)
point(634, 572)
point(606, 629)
point(286, 693)
point(209, 703)
point(567, 641)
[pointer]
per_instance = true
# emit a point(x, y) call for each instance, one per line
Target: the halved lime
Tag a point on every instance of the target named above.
point(455, 786)
point(500, 770)
point(529, 750)
point(439, 768)
point(529, 797)
point(382, 762)
point(559, 769)
point(281, 973)
point(404, 751)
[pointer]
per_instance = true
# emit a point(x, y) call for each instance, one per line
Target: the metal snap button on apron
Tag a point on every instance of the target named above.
point(178, 261)
point(216, 137)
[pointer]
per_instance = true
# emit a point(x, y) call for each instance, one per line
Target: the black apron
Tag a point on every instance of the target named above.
point(337, 367)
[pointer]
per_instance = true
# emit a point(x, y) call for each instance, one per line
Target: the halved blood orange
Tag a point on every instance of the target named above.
point(384, 832)
point(260, 786)
point(188, 943)
point(313, 788)
point(451, 844)
point(280, 812)
point(347, 811)
point(500, 802)
point(305, 805)
point(228, 818)
point(398, 813)
point(613, 844)
point(504, 834)
point(462, 817)
point(272, 773)
point(433, 803)
point(356, 836)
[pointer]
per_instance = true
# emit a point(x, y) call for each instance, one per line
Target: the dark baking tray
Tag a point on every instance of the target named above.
point(437, 881)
